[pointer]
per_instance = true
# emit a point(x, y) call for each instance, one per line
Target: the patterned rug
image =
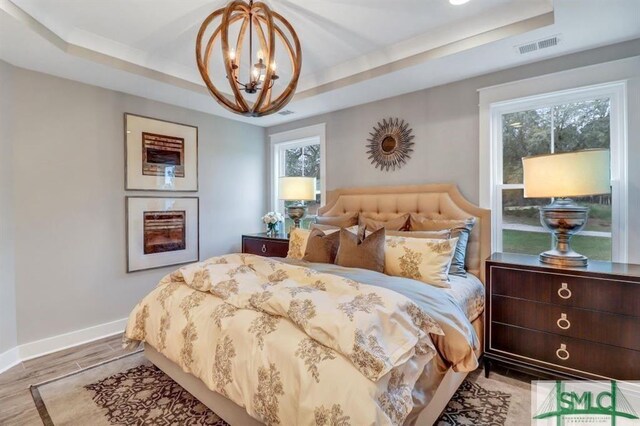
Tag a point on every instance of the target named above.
point(145, 395)
point(474, 405)
point(131, 391)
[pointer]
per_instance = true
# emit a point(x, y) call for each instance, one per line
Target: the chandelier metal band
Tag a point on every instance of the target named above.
point(269, 27)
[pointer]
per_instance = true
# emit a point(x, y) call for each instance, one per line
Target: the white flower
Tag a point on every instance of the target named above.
point(272, 217)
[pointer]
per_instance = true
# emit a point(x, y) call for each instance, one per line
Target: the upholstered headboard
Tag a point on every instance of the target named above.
point(436, 201)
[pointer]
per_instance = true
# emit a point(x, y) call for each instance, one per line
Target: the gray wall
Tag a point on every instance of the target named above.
point(69, 200)
point(8, 336)
point(445, 121)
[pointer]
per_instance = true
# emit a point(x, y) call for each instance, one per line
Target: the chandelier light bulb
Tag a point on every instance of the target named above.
point(232, 54)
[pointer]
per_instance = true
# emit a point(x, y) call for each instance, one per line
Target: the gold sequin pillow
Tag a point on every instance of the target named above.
point(423, 259)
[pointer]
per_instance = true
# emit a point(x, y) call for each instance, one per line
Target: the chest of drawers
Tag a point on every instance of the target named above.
point(264, 245)
point(566, 322)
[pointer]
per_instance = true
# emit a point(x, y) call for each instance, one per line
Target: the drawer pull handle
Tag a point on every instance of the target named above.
point(563, 322)
point(563, 353)
point(264, 248)
point(564, 291)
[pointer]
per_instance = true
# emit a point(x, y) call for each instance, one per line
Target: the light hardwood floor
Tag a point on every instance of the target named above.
point(16, 404)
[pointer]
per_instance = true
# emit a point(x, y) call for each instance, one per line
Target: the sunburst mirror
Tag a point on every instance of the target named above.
point(390, 144)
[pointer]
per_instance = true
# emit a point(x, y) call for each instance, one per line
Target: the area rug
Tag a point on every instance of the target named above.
point(131, 391)
point(495, 401)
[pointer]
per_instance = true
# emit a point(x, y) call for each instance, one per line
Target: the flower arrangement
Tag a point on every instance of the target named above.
point(271, 219)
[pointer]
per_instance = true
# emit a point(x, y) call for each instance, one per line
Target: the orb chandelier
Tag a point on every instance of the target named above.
point(256, 88)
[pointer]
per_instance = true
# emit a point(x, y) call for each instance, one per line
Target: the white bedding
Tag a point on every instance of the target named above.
point(469, 293)
point(213, 321)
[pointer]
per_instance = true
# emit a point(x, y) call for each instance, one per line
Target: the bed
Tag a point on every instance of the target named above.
point(434, 381)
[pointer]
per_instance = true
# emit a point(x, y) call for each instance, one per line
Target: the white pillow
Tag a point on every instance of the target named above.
point(423, 259)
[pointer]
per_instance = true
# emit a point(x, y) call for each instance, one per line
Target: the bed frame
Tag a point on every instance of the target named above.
point(437, 201)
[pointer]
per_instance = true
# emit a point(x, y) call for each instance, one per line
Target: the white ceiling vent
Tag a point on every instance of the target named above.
point(286, 112)
point(538, 45)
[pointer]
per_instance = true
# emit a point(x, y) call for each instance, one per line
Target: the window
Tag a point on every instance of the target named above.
point(298, 152)
point(584, 118)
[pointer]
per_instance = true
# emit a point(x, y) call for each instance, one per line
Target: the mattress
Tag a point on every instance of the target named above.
point(469, 293)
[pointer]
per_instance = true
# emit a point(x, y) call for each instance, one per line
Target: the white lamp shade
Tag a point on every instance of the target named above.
point(295, 188)
point(571, 174)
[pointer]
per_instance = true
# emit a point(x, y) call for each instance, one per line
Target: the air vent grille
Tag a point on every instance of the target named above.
point(538, 45)
point(550, 42)
point(526, 48)
point(286, 112)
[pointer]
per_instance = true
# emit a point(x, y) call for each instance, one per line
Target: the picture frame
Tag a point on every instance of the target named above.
point(160, 155)
point(161, 231)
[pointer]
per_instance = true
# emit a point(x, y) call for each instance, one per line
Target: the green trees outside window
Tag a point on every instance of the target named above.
point(557, 128)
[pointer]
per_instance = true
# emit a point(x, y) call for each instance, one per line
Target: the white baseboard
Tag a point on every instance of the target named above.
point(68, 340)
point(9, 358)
point(60, 342)
point(57, 343)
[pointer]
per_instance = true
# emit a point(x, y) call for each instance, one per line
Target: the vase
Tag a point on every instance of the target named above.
point(272, 229)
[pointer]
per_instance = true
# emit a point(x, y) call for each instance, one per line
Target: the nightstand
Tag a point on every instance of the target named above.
point(264, 245)
point(563, 322)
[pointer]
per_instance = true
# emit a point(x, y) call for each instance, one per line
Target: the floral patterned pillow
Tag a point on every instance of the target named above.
point(423, 259)
point(298, 243)
point(459, 228)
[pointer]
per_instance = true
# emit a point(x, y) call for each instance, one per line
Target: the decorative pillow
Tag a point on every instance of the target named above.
point(399, 223)
point(445, 234)
point(328, 229)
point(324, 228)
point(298, 243)
point(460, 228)
point(321, 247)
point(344, 221)
point(365, 253)
point(422, 259)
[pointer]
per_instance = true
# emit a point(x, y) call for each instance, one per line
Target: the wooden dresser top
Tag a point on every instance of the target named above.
point(265, 236)
point(594, 268)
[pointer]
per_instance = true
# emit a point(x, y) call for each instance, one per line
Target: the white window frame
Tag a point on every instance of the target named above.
point(616, 92)
point(304, 136)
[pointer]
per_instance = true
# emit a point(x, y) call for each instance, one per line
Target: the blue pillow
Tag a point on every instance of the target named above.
point(462, 233)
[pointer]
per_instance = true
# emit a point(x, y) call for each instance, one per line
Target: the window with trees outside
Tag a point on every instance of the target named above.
point(561, 122)
point(299, 157)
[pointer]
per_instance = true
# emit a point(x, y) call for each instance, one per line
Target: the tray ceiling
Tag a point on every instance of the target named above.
point(354, 51)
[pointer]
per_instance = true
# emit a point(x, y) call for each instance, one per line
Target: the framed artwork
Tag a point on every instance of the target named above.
point(160, 155)
point(161, 232)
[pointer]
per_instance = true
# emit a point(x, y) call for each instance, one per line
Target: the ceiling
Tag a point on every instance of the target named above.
point(354, 51)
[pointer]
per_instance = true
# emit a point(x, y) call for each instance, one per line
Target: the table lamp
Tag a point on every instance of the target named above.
point(560, 176)
point(300, 189)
